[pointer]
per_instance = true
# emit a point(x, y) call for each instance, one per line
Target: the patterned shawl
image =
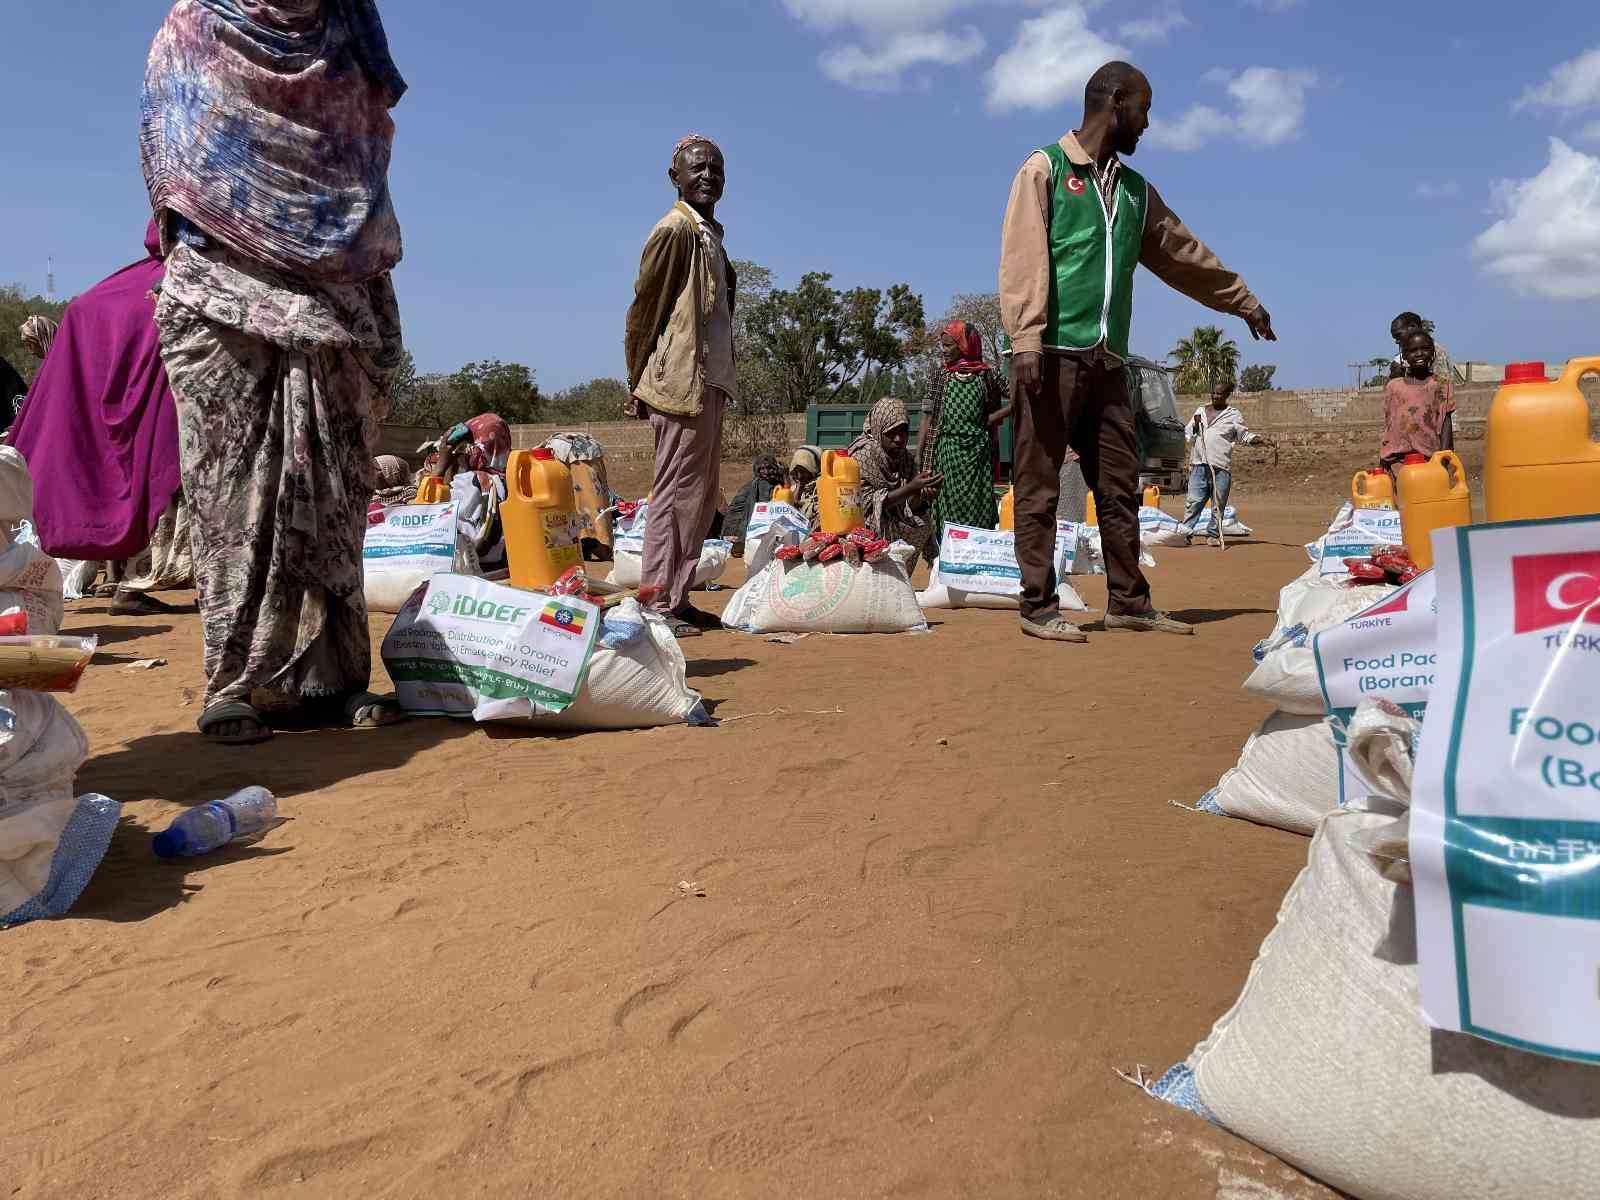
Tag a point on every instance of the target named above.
point(882, 471)
point(266, 124)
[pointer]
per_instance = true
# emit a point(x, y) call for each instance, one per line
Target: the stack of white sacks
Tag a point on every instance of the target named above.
point(1327, 1060)
point(51, 840)
point(1290, 772)
point(627, 567)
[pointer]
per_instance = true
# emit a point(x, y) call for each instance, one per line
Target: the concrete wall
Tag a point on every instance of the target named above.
point(624, 441)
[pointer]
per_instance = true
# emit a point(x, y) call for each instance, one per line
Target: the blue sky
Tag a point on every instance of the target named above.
point(1350, 158)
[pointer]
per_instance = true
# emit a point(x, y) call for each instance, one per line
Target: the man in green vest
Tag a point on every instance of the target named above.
point(1078, 225)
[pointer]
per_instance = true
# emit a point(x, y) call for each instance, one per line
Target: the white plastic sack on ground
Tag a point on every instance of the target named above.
point(627, 567)
point(1341, 520)
point(42, 870)
point(30, 582)
point(1232, 526)
point(758, 551)
point(1093, 561)
point(1286, 663)
point(937, 596)
point(640, 684)
point(1325, 1060)
point(414, 543)
point(829, 598)
point(1287, 777)
point(77, 577)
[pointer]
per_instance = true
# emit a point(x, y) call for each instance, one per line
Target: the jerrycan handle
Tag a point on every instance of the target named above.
point(519, 475)
point(1577, 368)
point(1455, 475)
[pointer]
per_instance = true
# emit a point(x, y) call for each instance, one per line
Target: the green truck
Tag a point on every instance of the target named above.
point(1155, 407)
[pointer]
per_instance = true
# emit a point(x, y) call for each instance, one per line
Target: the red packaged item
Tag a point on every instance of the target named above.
point(1362, 571)
point(831, 553)
point(788, 553)
point(14, 625)
point(574, 582)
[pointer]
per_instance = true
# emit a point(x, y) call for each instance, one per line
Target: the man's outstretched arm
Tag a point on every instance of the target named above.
point(1186, 264)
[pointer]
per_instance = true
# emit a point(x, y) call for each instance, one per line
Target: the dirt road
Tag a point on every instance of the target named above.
point(932, 925)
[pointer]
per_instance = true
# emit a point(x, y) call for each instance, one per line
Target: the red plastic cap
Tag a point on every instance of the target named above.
point(842, 454)
point(1377, 471)
point(1413, 459)
point(1528, 372)
point(543, 454)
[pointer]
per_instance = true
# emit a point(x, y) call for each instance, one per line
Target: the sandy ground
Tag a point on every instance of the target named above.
point(933, 926)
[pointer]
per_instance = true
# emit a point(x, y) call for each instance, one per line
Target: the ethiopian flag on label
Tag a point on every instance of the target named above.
point(565, 618)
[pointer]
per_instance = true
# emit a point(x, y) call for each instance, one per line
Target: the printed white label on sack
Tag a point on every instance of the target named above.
point(784, 516)
point(1387, 652)
point(1369, 530)
point(984, 561)
point(414, 537)
point(1505, 818)
point(464, 640)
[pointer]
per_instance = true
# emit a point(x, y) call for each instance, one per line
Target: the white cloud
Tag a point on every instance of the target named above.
point(1573, 85)
point(878, 68)
point(1269, 109)
point(1154, 28)
point(1050, 61)
point(1547, 240)
point(877, 16)
point(1438, 191)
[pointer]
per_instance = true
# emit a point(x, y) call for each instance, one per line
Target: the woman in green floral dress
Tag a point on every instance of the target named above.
point(961, 418)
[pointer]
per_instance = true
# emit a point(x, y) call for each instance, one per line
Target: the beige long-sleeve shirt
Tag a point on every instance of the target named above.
point(1170, 250)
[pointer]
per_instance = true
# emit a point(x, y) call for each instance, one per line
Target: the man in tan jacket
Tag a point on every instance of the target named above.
point(679, 347)
point(1078, 226)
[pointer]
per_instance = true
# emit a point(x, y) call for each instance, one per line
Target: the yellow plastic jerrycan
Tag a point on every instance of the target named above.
point(1540, 460)
point(1091, 514)
point(839, 493)
point(1152, 497)
point(1008, 510)
point(540, 515)
point(783, 495)
point(1372, 489)
point(1433, 495)
point(433, 490)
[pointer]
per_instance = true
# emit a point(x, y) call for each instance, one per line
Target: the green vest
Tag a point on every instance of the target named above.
point(1094, 254)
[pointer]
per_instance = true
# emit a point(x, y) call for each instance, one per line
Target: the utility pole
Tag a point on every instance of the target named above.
point(50, 279)
point(1358, 368)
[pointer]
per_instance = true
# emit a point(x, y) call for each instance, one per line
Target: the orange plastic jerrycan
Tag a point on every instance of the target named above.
point(1372, 489)
point(1433, 495)
point(1008, 510)
point(783, 495)
point(1091, 514)
point(540, 515)
point(1152, 497)
point(433, 490)
point(839, 493)
point(1540, 460)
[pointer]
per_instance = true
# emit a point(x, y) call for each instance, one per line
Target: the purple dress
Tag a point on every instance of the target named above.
point(99, 428)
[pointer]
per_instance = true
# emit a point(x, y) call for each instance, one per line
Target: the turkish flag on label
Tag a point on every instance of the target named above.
point(1555, 590)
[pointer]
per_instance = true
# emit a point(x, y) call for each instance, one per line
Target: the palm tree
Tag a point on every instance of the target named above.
point(1205, 358)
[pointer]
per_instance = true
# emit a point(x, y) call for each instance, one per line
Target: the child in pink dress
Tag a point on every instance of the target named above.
point(1419, 409)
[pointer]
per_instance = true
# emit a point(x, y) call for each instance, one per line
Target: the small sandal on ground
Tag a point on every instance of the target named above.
point(1056, 629)
point(249, 729)
point(364, 710)
point(680, 628)
point(140, 604)
point(698, 617)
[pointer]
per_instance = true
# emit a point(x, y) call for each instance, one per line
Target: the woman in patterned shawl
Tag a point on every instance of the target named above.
point(961, 417)
point(265, 140)
point(894, 494)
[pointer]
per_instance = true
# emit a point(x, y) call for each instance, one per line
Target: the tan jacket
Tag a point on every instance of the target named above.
point(1170, 250)
point(665, 341)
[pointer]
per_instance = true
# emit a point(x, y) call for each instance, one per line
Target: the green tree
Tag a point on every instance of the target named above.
point(1205, 358)
point(596, 400)
point(1257, 378)
point(492, 386)
point(15, 308)
point(817, 341)
point(758, 390)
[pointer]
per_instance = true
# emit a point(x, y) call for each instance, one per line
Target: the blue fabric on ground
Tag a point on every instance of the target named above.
point(83, 844)
point(1208, 804)
point(1179, 1088)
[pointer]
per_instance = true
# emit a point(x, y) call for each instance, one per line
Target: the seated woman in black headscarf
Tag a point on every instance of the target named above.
point(765, 475)
point(896, 496)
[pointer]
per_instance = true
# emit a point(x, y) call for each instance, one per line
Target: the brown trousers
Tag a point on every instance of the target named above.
point(683, 501)
point(1082, 404)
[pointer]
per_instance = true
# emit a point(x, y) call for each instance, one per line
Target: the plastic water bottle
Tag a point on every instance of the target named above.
point(212, 826)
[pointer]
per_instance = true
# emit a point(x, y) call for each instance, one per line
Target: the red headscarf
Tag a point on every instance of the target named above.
point(965, 334)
